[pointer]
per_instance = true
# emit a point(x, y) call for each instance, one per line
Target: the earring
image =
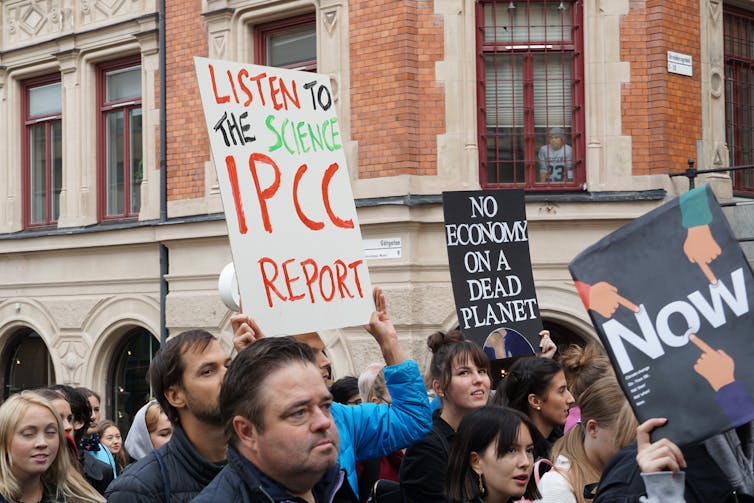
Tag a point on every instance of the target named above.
point(482, 491)
point(539, 408)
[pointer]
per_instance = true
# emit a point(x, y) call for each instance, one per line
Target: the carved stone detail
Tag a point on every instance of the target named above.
point(72, 356)
point(330, 19)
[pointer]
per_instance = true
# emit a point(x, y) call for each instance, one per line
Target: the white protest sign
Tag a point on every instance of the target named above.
point(292, 223)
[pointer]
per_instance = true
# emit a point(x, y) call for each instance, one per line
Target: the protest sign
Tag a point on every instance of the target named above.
point(669, 295)
point(490, 268)
point(287, 197)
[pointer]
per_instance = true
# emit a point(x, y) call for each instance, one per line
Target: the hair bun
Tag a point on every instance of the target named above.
point(440, 339)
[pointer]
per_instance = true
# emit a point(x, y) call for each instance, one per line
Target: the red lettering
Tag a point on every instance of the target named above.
point(289, 280)
point(310, 277)
point(341, 273)
point(267, 193)
point(218, 99)
point(353, 266)
point(312, 224)
point(258, 79)
point(329, 173)
point(269, 282)
point(322, 271)
point(273, 94)
point(232, 85)
point(288, 96)
point(244, 73)
point(230, 162)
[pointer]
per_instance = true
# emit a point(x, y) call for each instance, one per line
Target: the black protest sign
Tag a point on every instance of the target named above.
point(490, 268)
point(669, 295)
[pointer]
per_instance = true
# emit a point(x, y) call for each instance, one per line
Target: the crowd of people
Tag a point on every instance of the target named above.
point(269, 426)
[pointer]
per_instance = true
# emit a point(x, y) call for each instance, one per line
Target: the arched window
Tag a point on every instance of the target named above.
point(27, 363)
point(130, 380)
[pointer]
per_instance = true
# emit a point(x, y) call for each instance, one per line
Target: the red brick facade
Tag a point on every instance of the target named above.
point(187, 142)
point(397, 106)
point(661, 111)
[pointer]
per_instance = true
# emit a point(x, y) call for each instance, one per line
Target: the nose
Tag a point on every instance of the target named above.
point(569, 398)
point(323, 360)
point(40, 440)
point(321, 420)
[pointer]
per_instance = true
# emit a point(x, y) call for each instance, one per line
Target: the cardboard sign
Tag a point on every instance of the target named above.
point(490, 268)
point(286, 192)
point(670, 295)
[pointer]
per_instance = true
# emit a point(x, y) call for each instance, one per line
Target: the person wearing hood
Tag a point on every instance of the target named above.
point(150, 430)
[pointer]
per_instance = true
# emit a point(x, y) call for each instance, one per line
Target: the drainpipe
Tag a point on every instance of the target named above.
point(164, 264)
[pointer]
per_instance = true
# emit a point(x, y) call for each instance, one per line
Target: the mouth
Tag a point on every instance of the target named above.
point(324, 444)
point(480, 393)
point(521, 480)
point(40, 458)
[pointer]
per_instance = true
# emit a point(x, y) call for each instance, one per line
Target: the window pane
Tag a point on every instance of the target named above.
point(137, 167)
point(291, 47)
point(114, 163)
point(504, 89)
point(552, 91)
point(123, 84)
point(532, 22)
point(37, 175)
point(45, 100)
point(56, 168)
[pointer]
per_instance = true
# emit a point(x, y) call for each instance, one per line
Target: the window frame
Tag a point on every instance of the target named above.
point(103, 109)
point(263, 31)
point(743, 180)
point(529, 135)
point(27, 121)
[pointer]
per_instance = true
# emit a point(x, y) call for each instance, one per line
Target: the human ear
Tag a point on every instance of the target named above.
point(437, 389)
point(245, 431)
point(475, 461)
point(591, 427)
point(534, 401)
point(174, 395)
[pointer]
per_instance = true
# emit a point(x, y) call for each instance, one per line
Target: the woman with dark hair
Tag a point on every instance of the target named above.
point(537, 387)
point(90, 440)
point(97, 473)
point(492, 457)
point(459, 373)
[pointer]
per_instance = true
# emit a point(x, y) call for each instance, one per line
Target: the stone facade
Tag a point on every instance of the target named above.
point(405, 79)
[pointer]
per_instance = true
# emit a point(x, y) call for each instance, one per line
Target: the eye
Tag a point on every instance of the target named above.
point(482, 371)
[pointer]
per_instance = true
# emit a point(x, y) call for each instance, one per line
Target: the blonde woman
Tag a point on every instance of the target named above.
point(607, 425)
point(34, 464)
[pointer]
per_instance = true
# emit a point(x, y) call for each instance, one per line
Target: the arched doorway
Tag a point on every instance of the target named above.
point(27, 363)
point(130, 388)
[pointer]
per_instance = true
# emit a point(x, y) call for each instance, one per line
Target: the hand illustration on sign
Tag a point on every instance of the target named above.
point(700, 246)
point(603, 298)
point(701, 249)
point(717, 368)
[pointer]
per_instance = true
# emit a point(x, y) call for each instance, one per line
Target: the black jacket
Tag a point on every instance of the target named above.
point(242, 482)
point(621, 480)
point(425, 465)
point(143, 481)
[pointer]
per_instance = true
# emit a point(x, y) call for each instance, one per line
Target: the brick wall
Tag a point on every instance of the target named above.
point(661, 110)
point(187, 142)
point(397, 107)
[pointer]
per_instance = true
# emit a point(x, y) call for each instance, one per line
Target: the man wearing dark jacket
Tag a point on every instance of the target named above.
point(283, 440)
point(186, 376)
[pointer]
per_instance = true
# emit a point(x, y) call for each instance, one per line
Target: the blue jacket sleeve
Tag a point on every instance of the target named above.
point(369, 430)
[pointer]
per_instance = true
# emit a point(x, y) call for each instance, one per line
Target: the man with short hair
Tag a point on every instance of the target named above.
point(283, 441)
point(555, 159)
point(369, 430)
point(186, 376)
